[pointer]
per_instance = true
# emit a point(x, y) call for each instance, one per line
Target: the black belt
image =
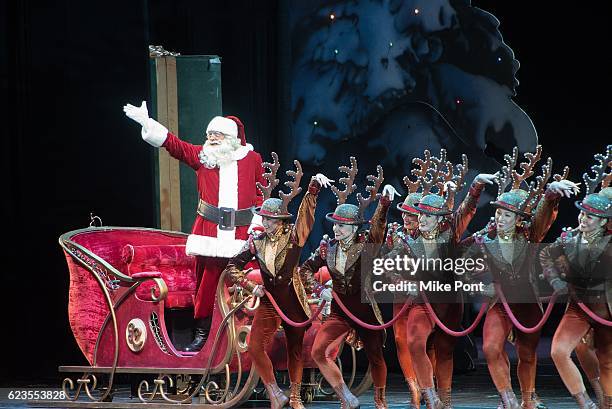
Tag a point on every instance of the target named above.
point(593, 291)
point(225, 217)
point(587, 284)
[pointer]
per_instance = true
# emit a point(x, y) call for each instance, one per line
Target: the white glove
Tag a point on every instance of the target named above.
point(559, 286)
point(256, 225)
point(449, 185)
point(390, 192)
point(489, 290)
point(486, 178)
point(413, 291)
point(258, 291)
point(138, 114)
point(326, 295)
point(564, 187)
point(153, 132)
point(323, 180)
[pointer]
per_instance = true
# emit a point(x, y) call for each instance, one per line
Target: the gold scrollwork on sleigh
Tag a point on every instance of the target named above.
point(136, 334)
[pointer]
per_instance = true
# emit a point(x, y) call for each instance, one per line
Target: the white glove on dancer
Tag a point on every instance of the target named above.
point(153, 132)
point(323, 180)
point(390, 192)
point(326, 294)
point(256, 225)
point(564, 187)
point(489, 290)
point(258, 291)
point(559, 286)
point(413, 290)
point(487, 178)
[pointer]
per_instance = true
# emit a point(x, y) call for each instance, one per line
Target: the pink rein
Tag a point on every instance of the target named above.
point(439, 323)
point(365, 324)
point(290, 321)
point(594, 316)
point(515, 321)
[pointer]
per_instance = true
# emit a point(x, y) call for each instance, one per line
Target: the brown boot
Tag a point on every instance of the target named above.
point(431, 399)
point(583, 401)
point(380, 402)
point(445, 397)
point(509, 400)
point(598, 391)
point(347, 399)
point(538, 402)
point(415, 394)
point(295, 400)
point(277, 398)
point(528, 401)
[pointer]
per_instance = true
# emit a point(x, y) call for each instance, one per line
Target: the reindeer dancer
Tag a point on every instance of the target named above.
point(277, 251)
point(508, 245)
point(437, 236)
point(396, 235)
point(579, 262)
point(342, 256)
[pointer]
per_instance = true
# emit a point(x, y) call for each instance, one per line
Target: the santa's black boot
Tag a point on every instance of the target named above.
point(200, 335)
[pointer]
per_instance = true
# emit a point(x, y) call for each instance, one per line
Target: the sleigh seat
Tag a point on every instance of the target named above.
point(176, 268)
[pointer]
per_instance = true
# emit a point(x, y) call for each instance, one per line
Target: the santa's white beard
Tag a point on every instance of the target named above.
point(213, 155)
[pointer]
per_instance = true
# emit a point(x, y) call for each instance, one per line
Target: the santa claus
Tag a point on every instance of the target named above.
point(227, 170)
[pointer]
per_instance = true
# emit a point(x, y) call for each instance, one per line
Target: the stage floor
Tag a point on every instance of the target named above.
point(471, 390)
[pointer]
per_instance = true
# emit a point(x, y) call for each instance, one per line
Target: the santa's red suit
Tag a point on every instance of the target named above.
point(230, 185)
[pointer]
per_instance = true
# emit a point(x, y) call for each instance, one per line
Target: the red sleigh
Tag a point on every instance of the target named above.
point(122, 281)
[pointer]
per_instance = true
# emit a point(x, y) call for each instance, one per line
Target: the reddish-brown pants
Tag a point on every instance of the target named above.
point(263, 329)
point(332, 334)
point(419, 327)
point(400, 329)
point(497, 327)
point(587, 356)
point(573, 326)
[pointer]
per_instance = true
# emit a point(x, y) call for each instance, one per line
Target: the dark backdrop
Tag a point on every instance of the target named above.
point(66, 69)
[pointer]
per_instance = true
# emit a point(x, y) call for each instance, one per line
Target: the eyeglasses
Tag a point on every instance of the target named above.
point(219, 135)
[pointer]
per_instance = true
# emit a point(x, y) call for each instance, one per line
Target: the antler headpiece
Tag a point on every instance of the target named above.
point(273, 207)
point(347, 213)
point(517, 199)
point(598, 204)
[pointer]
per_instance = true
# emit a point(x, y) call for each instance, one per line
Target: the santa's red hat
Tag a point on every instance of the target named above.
point(229, 125)
point(240, 126)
